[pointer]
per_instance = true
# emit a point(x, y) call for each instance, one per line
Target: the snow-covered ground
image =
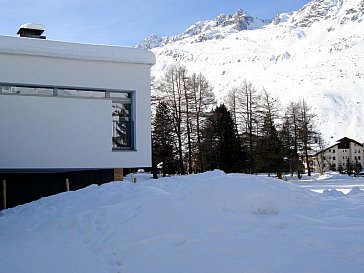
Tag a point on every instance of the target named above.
point(205, 223)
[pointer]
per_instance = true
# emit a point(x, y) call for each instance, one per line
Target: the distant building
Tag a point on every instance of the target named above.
point(346, 155)
point(67, 107)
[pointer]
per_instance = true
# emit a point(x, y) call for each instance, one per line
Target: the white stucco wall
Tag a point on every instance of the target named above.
point(55, 132)
point(355, 154)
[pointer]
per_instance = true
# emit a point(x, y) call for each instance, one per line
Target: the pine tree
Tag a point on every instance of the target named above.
point(220, 142)
point(269, 154)
point(162, 138)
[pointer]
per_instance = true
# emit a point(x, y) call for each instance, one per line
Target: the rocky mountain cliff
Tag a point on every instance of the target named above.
point(315, 53)
point(219, 28)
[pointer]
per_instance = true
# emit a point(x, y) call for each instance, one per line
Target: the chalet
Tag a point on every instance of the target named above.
point(346, 155)
point(71, 110)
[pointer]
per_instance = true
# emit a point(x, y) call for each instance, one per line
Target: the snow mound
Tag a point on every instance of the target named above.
point(211, 222)
point(355, 190)
point(333, 192)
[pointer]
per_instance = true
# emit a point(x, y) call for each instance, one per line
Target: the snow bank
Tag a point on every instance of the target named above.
point(210, 222)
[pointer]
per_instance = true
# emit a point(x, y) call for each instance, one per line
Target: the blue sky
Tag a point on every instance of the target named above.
point(125, 22)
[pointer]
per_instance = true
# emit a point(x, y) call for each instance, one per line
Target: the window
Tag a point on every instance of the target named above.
point(26, 90)
point(333, 158)
point(122, 101)
point(333, 150)
point(122, 120)
point(79, 93)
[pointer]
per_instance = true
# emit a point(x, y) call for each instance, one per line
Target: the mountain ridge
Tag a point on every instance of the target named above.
point(203, 30)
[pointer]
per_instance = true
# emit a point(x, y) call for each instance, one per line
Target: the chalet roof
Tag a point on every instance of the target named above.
point(341, 143)
point(346, 139)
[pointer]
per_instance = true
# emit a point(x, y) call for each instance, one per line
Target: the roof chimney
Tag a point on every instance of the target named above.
point(31, 31)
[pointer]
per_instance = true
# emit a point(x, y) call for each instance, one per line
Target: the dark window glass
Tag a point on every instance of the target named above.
point(122, 126)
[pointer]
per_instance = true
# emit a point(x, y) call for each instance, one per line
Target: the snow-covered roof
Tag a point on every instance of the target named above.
point(32, 26)
point(47, 48)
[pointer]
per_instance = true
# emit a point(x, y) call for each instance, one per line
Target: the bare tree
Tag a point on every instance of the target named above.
point(202, 101)
point(307, 132)
point(290, 137)
point(170, 89)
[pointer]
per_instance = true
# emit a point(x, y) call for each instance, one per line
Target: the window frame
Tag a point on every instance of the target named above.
point(107, 95)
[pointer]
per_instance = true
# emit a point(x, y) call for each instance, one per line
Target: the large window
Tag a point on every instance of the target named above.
point(122, 125)
point(122, 112)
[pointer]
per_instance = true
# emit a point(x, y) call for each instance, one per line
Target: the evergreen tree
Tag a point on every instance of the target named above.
point(269, 155)
point(162, 138)
point(220, 142)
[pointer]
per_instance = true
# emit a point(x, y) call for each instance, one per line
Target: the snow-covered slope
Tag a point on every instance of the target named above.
point(205, 223)
point(316, 53)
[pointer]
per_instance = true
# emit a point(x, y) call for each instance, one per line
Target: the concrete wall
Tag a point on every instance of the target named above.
point(55, 132)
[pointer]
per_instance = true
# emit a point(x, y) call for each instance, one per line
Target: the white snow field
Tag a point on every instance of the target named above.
point(205, 223)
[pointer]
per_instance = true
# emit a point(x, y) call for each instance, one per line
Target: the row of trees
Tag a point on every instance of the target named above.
point(246, 134)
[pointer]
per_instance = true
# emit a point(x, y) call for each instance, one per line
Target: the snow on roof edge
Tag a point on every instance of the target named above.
point(33, 26)
point(67, 50)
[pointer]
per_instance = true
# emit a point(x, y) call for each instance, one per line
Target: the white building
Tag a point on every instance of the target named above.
point(68, 106)
point(345, 155)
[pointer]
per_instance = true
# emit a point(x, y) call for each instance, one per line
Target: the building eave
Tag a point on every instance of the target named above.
point(66, 50)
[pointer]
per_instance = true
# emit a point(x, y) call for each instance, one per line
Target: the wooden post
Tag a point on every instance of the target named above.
point(4, 194)
point(118, 174)
point(67, 184)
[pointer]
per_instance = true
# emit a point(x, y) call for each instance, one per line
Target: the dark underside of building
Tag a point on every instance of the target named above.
point(18, 188)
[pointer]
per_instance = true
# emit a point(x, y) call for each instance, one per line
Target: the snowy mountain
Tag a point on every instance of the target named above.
point(314, 53)
point(219, 28)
